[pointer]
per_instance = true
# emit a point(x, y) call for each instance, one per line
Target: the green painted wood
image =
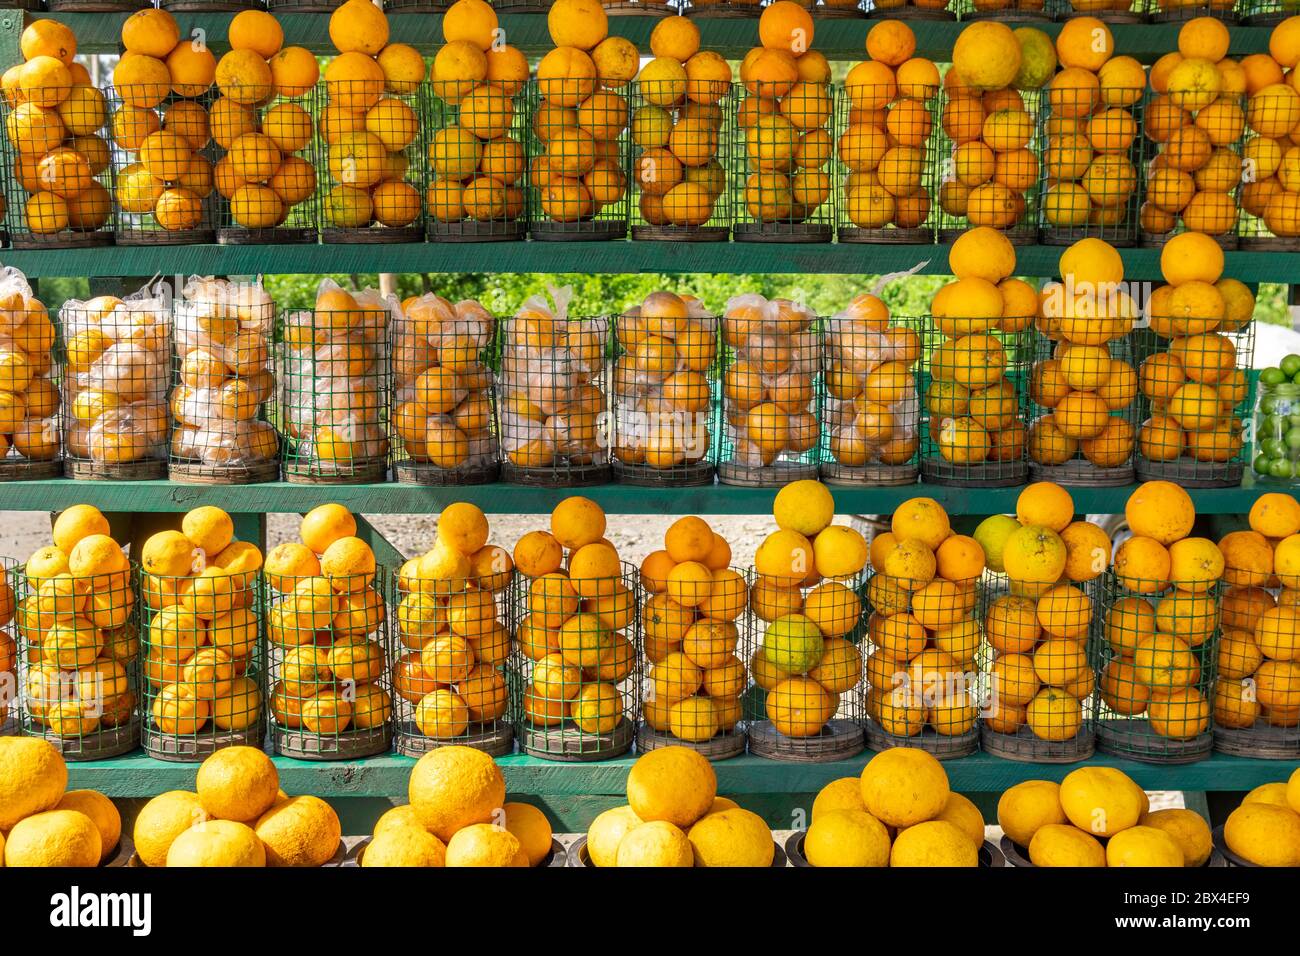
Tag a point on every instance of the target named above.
point(11, 28)
point(386, 776)
point(385, 552)
point(615, 257)
point(837, 39)
point(390, 498)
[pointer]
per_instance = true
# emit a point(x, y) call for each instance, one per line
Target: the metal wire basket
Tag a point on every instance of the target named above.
point(1155, 648)
point(694, 673)
point(117, 357)
point(578, 151)
point(476, 174)
point(872, 405)
point(551, 400)
point(329, 665)
point(222, 379)
point(333, 399)
point(771, 392)
point(805, 647)
point(1195, 396)
point(59, 175)
point(990, 177)
point(79, 661)
point(267, 188)
point(203, 662)
point(163, 167)
point(444, 406)
point(664, 376)
point(885, 167)
point(1038, 687)
point(974, 404)
point(682, 145)
point(783, 190)
point(578, 691)
point(1083, 410)
point(29, 387)
point(9, 722)
point(452, 681)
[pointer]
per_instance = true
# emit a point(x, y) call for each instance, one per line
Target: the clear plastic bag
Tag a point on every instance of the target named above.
point(872, 406)
point(116, 377)
point(662, 382)
point(769, 388)
point(29, 401)
point(442, 383)
point(333, 378)
point(551, 386)
point(223, 374)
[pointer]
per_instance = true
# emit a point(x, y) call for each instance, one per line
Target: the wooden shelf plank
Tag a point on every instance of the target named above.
point(137, 775)
point(166, 496)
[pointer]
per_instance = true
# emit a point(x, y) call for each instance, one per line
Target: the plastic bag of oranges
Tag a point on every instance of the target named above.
point(770, 390)
point(552, 392)
point(223, 377)
point(115, 384)
point(442, 401)
point(334, 379)
point(29, 400)
point(872, 406)
point(662, 390)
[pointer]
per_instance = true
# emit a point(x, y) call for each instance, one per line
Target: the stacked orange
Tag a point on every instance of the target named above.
point(1271, 166)
point(884, 146)
point(1083, 387)
point(1159, 655)
point(454, 642)
point(369, 122)
point(29, 401)
point(8, 646)
point(1259, 652)
point(922, 632)
point(325, 628)
point(1197, 118)
point(477, 163)
point(678, 127)
point(769, 386)
point(805, 660)
point(74, 619)
point(200, 598)
point(167, 178)
point(872, 406)
point(54, 123)
point(572, 631)
point(991, 129)
point(1039, 674)
point(1196, 387)
point(260, 175)
point(786, 116)
point(973, 410)
point(695, 679)
point(1090, 130)
point(582, 115)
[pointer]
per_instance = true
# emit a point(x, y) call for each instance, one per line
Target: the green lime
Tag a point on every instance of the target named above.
point(1293, 419)
point(1273, 447)
point(1290, 365)
point(1271, 426)
point(1281, 468)
point(1269, 404)
point(1272, 376)
point(1260, 464)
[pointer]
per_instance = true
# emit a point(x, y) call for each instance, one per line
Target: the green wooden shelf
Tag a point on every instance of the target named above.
point(167, 496)
point(137, 775)
point(837, 39)
point(617, 257)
